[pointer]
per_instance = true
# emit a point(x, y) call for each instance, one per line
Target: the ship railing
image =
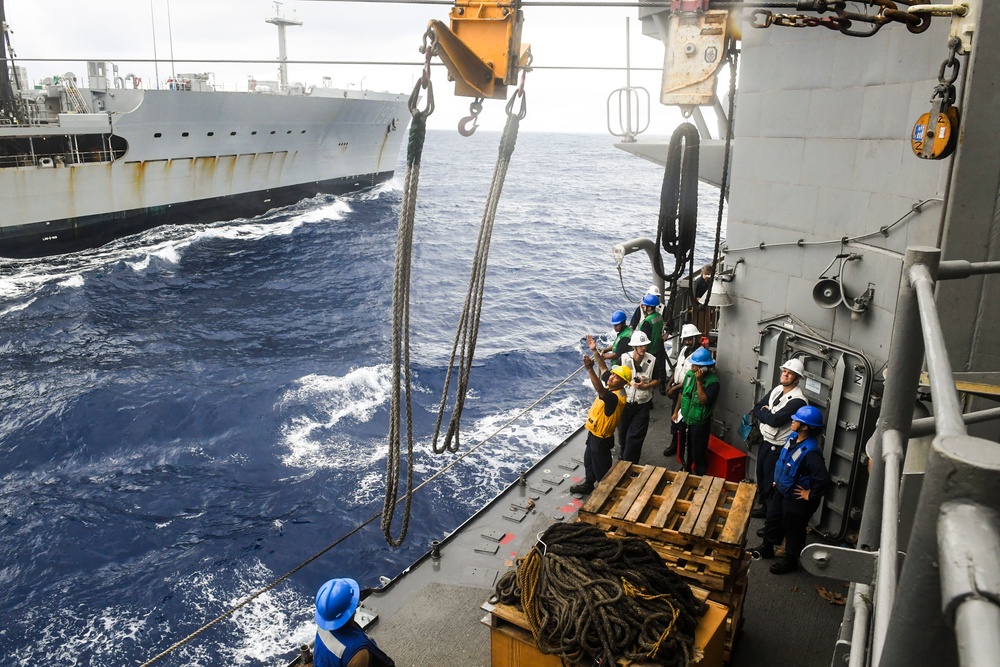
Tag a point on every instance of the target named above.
point(936, 600)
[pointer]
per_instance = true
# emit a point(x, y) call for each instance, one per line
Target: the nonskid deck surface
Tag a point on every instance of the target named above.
point(432, 615)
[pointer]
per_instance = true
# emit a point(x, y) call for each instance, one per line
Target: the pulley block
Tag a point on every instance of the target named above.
point(942, 135)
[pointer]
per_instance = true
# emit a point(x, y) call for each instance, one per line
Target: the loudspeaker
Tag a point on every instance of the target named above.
point(827, 293)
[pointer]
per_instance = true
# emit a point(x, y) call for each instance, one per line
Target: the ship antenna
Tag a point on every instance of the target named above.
point(282, 22)
point(156, 60)
point(10, 105)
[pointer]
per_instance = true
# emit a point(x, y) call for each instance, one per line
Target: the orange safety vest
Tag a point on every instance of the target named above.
point(601, 424)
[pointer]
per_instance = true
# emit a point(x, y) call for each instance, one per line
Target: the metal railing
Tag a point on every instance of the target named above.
point(942, 607)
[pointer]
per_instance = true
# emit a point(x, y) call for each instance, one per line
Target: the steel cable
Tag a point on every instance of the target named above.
point(724, 185)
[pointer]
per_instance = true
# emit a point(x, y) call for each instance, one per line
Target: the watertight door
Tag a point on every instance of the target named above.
point(838, 381)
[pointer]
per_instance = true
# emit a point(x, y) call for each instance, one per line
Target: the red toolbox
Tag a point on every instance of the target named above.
point(726, 461)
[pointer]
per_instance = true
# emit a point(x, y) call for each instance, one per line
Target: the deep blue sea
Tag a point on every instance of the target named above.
point(189, 413)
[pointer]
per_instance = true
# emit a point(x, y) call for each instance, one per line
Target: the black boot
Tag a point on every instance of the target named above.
point(758, 512)
point(784, 566)
point(583, 488)
point(764, 550)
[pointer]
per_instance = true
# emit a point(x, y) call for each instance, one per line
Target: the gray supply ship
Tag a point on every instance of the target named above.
point(80, 166)
point(861, 238)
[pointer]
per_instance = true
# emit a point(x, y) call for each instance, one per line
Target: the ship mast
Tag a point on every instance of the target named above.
point(10, 105)
point(281, 22)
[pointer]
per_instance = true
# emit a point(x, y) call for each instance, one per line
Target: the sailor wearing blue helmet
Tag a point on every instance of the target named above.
point(614, 352)
point(340, 641)
point(693, 412)
point(800, 480)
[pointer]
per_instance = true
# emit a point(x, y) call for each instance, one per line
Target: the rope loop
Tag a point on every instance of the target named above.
point(467, 333)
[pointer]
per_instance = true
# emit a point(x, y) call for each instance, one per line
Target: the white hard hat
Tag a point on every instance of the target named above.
point(653, 289)
point(639, 338)
point(689, 331)
point(795, 366)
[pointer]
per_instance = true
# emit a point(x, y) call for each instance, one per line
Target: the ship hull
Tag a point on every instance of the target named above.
point(195, 157)
point(54, 237)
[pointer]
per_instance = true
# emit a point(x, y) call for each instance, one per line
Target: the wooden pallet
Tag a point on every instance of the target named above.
point(674, 508)
point(733, 599)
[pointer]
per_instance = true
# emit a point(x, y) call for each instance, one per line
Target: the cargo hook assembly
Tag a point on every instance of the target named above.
point(475, 109)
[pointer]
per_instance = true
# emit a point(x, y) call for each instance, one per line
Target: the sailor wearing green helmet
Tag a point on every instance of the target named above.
point(603, 417)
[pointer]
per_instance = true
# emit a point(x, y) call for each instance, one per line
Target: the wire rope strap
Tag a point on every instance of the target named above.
point(724, 186)
point(401, 384)
point(591, 598)
point(467, 332)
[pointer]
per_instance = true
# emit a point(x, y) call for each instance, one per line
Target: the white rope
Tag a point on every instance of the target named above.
point(467, 332)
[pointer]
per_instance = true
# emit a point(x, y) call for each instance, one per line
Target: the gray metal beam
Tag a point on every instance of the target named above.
point(925, 425)
point(947, 409)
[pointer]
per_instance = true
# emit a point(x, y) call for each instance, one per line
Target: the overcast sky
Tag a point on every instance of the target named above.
point(558, 100)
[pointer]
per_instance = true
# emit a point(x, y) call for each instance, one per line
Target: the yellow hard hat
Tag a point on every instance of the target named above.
point(624, 372)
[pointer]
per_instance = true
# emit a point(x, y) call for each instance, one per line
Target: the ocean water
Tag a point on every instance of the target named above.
point(189, 413)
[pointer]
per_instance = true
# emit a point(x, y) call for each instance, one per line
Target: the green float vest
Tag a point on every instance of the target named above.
point(692, 409)
point(656, 325)
point(626, 333)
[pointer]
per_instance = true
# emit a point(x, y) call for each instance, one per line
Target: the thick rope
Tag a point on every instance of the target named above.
point(588, 597)
point(467, 333)
point(401, 329)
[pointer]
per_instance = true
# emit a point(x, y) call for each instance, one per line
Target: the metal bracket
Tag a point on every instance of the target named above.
point(839, 563)
point(963, 19)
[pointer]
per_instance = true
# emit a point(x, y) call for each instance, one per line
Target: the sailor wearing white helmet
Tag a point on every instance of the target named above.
point(774, 413)
point(689, 343)
point(639, 398)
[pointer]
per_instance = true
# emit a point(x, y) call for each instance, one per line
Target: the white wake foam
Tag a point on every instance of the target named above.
point(318, 404)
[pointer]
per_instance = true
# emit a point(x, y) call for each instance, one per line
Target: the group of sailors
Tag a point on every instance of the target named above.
point(791, 471)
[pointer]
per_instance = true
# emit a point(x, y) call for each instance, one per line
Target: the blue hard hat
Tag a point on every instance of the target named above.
point(809, 416)
point(618, 317)
point(701, 357)
point(335, 603)
point(651, 300)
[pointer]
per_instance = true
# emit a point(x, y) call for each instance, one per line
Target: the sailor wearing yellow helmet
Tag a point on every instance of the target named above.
point(603, 418)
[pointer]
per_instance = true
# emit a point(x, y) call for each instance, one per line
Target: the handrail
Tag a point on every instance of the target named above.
point(943, 606)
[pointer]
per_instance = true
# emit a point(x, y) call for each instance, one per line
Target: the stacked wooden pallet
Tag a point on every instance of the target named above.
point(698, 524)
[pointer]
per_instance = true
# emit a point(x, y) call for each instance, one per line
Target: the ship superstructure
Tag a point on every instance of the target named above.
point(80, 166)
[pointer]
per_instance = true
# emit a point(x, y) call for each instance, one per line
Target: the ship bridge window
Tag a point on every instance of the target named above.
point(254, 133)
point(302, 132)
point(288, 132)
point(185, 134)
point(60, 150)
point(232, 134)
point(210, 134)
point(157, 135)
point(272, 131)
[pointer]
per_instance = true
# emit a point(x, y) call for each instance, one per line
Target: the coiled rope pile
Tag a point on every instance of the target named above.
point(588, 596)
